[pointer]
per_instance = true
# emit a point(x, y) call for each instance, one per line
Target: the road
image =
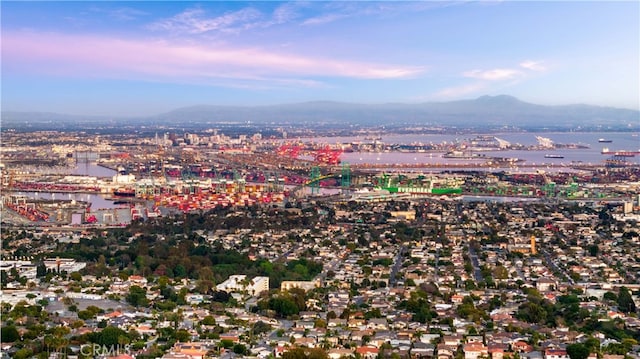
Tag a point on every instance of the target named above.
point(555, 268)
point(396, 266)
point(477, 274)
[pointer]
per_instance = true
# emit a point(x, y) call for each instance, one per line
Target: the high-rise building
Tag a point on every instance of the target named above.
point(533, 245)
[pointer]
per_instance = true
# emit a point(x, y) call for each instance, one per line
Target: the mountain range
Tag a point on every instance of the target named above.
point(502, 110)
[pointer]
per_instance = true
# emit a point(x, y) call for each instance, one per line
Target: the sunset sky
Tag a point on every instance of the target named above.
point(145, 58)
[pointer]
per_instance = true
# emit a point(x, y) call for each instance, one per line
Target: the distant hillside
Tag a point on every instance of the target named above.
point(488, 111)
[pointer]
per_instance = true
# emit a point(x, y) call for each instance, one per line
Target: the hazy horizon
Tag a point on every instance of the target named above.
point(146, 58)
point(147, 115)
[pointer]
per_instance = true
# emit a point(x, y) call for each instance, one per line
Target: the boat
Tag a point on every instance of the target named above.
point(620, 153)
point(553, 156)
point(464, 156)
point(604, 140)
point(124, 192)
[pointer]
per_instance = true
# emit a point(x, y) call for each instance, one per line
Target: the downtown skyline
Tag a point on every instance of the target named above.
point(145, 58)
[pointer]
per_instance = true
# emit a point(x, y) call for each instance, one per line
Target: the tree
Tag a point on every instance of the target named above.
point(137, 296)
point(532, 313)
point(9, 334)
point(41, 270)
point(610, 296)
point(625, 301)
point(305, 353)
point(182, 335)
point(240, 349)
point(85, 315)
point(180, 271)
point(109, 336)
point(500, 272)
point(208, 320)
point(261, 327)
point(577, 351)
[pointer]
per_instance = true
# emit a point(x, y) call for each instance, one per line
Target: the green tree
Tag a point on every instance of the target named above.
point(240, 349)
point(625, 301)
point(577, 351)
point(182, 335)
point(208, 320)
point(137, 296)
point(261, 327)
point(180, 271)
point(23, 353)
point(41, 270)
point(305, 353)
point(9, 334)
point(109, 336)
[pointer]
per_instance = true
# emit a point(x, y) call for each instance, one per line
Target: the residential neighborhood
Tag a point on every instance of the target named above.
point(459, 280)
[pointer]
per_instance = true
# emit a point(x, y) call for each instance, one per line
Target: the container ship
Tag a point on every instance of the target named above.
point(604, 140)
point(433, 186)
point(424, 190)
point(553, 156)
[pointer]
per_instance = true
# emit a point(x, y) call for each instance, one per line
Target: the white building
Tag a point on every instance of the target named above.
point(239, 283)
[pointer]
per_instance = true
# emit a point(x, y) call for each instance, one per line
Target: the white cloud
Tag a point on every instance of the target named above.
point(324, 19)
point(457, 91)
point(337, 10)
point(533, 65)
point(121, 13)
point(493, 78)
point(126, 14)
point(195, 21)
point(286, 13)
point(493, 75)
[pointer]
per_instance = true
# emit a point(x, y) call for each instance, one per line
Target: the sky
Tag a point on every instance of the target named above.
point(143, 58)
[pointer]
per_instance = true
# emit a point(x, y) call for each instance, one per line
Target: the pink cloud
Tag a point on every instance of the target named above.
point(100, 56)
point(493, 75)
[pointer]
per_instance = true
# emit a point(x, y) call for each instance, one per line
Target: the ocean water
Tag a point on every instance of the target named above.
point(623, 141)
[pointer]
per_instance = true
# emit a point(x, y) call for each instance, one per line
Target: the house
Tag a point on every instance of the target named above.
point(188, 351)
point(496, 352)
point(377, 324)
point(556, 354)
point(280, 350)
point(452, 340)
point(445, 351)
point(336, 322)
point(422, 350)
point(475, 351)
point(138, 280)
point(306, 342)
point(545, 285)
point(367, 352)
point(339, 353)
point(521, 347)
point(230, 337)
point(304, 285)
